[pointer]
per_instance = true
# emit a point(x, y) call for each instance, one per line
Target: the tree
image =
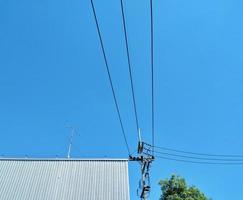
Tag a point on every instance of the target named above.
point(176, 189)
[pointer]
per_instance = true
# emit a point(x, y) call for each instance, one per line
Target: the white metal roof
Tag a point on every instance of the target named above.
point(64, 179)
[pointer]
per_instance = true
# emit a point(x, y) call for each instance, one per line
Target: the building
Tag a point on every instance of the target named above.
point(64, 179)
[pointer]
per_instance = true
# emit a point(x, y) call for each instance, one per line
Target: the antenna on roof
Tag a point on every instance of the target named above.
point(73, 131)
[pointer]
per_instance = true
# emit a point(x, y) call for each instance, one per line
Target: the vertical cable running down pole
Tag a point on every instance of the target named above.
point(152, 68)
point(145, 151)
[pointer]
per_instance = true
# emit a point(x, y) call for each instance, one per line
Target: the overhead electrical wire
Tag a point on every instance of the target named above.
point(196, 153)
point(110, 79)
point(198, 158)
point(216, 162)
point(186, 158)
point(129, 66)
point(192, 158)
point(152, 67)
point(199, 162)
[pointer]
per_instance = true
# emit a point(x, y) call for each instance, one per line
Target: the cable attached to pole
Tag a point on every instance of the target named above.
point(152, 67)
point(183, 152)
point(199, 157)
point(130, 68)
point(109, 76)
point(199, 162)
point(196, 153)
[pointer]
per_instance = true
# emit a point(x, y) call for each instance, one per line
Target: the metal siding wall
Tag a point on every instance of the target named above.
point(64, 180)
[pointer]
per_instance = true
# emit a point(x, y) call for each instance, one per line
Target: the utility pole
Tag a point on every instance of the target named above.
point(145, 159)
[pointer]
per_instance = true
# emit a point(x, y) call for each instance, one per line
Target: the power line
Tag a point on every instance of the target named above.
point(197, 158)
point(152, 65)
point(199, 162)
point(129, 66)
point(109, 75)
point(195, 153)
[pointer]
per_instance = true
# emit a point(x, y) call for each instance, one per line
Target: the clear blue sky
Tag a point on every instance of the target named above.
point(52, 72)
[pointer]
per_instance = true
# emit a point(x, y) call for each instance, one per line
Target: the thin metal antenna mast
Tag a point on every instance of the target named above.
point(73, 130)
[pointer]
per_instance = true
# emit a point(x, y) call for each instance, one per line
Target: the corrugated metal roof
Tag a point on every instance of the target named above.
point(62, 179)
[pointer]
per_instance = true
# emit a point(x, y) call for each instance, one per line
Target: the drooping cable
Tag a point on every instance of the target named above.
point(199, 162)
point(152, 67)
point(109, 76)
point(198, 157)
point(129, 66)
point(196, 153)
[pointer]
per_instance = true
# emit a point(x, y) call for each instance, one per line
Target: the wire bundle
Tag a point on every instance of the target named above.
point(130, 72)
point(194, 157)
point(158, 152)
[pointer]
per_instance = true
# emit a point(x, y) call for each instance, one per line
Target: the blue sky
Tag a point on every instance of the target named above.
point(52, 74)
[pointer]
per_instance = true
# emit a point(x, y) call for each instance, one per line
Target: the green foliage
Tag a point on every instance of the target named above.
point(176, 189)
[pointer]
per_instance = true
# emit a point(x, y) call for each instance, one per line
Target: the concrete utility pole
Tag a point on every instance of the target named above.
point(145, 159)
